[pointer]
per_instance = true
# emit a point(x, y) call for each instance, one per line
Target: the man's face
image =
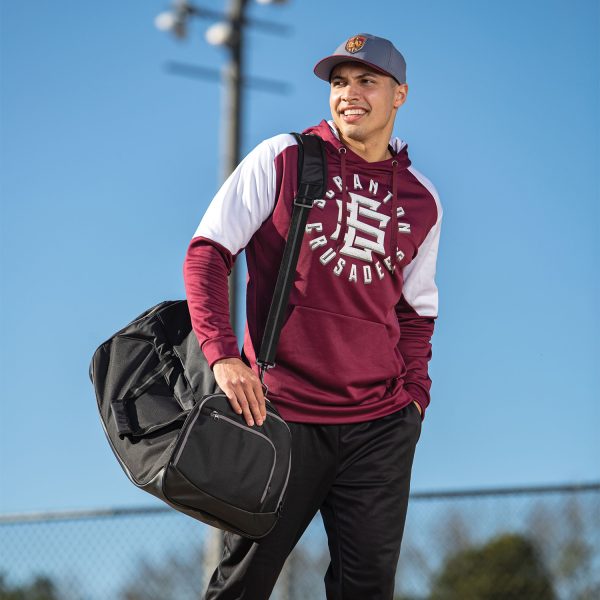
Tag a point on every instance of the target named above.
point(364, 102)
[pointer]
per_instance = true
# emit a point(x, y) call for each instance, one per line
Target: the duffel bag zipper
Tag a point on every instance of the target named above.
point(217, 416)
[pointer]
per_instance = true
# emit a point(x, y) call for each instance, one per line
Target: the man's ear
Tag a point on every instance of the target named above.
point(400, 94)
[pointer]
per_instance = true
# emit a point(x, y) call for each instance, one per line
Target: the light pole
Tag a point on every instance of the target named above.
point(228, 32)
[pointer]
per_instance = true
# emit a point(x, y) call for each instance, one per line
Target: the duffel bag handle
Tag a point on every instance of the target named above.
point(125, 427)
point(119, 406)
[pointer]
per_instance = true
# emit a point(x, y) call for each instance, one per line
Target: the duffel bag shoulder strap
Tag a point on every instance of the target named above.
point(312, 179)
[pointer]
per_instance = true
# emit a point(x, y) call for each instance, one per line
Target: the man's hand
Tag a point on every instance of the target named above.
point(418, 406)
point(242, 388)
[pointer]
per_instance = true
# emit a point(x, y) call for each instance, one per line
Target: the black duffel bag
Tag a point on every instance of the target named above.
point(174, 431)
point(170, 426)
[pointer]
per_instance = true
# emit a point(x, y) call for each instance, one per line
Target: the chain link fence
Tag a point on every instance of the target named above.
point(521, 544)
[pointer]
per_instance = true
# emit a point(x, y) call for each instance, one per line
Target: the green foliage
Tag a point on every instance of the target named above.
point(41, 588)
point(506, 568)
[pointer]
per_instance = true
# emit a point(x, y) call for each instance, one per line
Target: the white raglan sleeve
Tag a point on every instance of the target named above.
point(247, 197)
point(420, 289)
point(418, 309)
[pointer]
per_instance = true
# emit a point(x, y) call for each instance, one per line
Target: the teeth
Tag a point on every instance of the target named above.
point(354, 111)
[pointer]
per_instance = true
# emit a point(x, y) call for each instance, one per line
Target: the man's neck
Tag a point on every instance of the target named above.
point(374, 152)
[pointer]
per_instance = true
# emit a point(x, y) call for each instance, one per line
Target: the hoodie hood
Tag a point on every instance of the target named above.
point(390, 167)
point(327, 131)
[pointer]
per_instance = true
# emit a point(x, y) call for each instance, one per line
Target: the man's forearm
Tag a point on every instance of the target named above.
point(415, 346)
point(205, 271)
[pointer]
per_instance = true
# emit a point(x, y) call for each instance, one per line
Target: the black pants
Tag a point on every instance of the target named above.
point(358, 476)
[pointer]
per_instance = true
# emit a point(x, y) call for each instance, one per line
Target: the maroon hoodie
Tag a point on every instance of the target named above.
point(356, 341)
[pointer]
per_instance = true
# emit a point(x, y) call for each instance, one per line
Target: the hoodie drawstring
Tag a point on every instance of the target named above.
point(342, 231)
point(394, 209)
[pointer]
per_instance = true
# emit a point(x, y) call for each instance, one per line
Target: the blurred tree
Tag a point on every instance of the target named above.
point(456, 528)
point(41, 588)
point(179, 577)
point(576, 552)
point(568, 535)
point(508, 567)
point(174, 577)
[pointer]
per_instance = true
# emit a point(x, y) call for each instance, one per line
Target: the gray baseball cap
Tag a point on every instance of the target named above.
point(368, 49)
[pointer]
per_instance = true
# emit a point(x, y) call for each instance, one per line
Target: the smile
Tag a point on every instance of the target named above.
point(351, 115)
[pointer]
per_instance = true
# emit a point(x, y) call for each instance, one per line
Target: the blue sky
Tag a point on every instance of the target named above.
point(107, 163)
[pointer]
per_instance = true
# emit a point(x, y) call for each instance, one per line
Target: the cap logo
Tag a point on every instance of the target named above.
point(354, 44)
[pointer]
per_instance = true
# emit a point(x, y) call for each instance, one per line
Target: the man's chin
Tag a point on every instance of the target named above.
point(350, 131)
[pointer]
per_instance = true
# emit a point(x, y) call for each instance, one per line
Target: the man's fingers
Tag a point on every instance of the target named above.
point(243, 390)
point(243, 401)
point(255, 405)
point(258, 392)
point(233, 400)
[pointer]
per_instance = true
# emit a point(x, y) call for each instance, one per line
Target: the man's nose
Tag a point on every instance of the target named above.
point(350, 93)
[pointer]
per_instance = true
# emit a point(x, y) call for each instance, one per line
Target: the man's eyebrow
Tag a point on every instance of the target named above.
point(365, 74)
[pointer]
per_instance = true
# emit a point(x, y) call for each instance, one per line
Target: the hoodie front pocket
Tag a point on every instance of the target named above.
point(337, 353)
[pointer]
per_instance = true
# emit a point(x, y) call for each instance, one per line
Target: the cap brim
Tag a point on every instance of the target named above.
point(324, 67)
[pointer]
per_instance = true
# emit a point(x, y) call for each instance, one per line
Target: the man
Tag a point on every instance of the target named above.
point(351, 377)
